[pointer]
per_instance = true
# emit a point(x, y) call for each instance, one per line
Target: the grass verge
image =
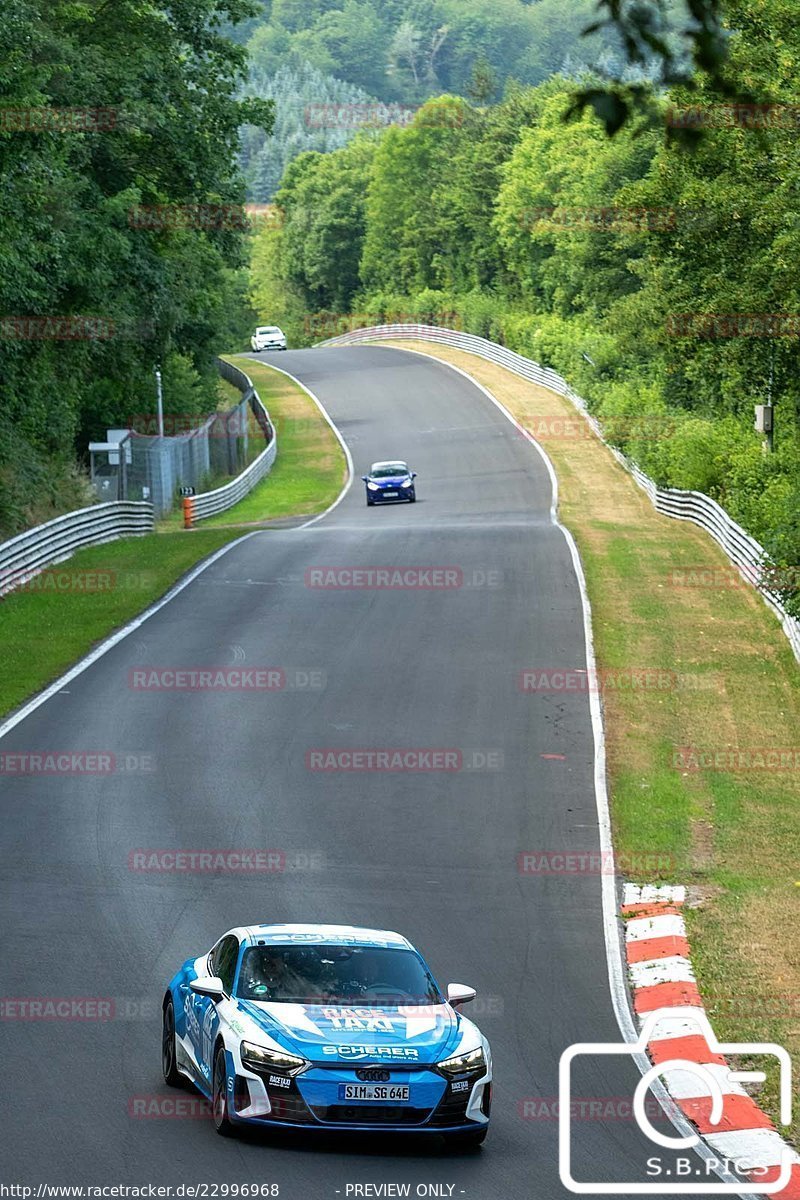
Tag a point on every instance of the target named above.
point(665, 600)
point(68, 609)
point(310, 469)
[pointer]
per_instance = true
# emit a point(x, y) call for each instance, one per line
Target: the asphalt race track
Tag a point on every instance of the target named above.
point(432, 853)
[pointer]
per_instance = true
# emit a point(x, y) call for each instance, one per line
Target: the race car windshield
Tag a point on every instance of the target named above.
point(374, 975)
point(269, 329)
point(392, 469)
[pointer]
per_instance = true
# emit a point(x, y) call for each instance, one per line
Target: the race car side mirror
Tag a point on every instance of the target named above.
point(459, 993)
point(364, 477)
point(208, 985)
point(413, 474)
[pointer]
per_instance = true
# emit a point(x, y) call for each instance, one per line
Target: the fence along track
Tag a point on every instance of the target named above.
point(746, 554)
point(27, 554)
point(24, 556)
point(208, 504)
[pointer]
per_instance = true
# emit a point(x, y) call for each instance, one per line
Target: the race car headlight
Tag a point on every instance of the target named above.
point(259, 1058)
point(373, 487)
point(407, 482)
point(473, 1061)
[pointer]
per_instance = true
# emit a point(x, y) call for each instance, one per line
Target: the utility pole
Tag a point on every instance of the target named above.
point(765, 413)
point(160, 403)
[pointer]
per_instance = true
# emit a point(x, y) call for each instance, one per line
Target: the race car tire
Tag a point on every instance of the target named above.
point(466, 1141)
point(219, 1095)
point(169, 1059)
point(412, 499)
point(370, 503)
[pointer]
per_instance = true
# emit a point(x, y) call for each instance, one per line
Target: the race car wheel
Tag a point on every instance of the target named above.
point(412, 499)
point(169, 1062)
point(219, 1094)
point(370, 503)
point(466, 1141)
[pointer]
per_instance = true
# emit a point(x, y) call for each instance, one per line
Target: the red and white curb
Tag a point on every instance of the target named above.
point(661, 977)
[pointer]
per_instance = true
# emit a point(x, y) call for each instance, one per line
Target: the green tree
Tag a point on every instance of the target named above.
point(70, 244)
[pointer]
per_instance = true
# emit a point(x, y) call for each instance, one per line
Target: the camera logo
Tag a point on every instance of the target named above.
point(712, 1082)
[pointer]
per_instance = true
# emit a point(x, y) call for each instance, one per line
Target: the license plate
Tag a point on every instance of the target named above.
point(392, 1092)
point(390, 493)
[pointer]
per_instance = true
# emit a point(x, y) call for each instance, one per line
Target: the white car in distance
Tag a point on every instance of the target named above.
point(268, 337)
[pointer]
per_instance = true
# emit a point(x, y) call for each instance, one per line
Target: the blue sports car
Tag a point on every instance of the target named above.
point(389, 481)
point(326, 1027)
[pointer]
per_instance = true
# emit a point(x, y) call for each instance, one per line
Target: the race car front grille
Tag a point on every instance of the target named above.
point(291, 1107)
point(371, 1114)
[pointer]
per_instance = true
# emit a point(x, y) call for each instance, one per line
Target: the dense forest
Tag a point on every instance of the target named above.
point(122, 243)
point(306, 54)
point(496, 204)
point(622, 262)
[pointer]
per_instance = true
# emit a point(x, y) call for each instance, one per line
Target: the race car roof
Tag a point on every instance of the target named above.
point(288, 935)
point(390, 462)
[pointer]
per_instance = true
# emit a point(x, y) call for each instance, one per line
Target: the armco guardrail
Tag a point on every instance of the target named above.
point(208, 504)
point(744, 551)
point(25, 555)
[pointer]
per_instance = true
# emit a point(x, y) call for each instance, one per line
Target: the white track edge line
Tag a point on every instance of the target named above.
point(110, 642)
point(348, 456)
point(114, 639)
point(620, 996)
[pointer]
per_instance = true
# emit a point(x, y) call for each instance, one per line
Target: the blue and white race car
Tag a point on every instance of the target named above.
point(326, 1027)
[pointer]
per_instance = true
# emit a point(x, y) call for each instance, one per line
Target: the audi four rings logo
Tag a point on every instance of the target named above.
point(367, 1075)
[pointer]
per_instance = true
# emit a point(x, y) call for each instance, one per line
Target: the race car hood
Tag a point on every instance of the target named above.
point(331, 1033)
point(391, 481)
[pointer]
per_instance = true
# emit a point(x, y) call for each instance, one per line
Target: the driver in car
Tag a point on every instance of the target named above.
point(271, 978)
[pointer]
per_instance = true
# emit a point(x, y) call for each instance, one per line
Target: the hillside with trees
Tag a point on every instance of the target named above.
point(618, 261)
point(309, 55)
